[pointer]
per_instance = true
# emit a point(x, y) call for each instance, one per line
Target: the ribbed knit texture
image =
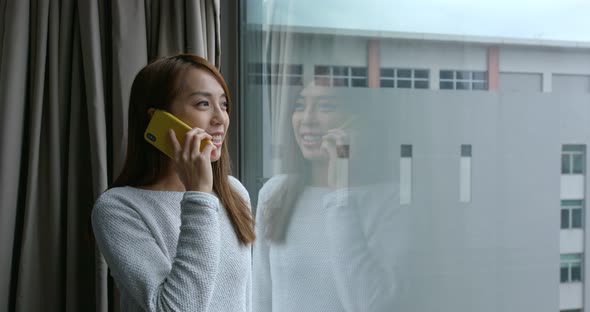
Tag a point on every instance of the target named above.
point(173, 251)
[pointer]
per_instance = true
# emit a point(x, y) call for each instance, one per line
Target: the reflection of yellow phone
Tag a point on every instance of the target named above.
point(157, 132)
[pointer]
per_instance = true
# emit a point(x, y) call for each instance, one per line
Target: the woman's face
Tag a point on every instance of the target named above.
point(314, 114)
point(202, 103)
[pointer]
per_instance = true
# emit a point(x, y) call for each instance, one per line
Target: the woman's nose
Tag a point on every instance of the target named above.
point(218, 115)
point(309, 114)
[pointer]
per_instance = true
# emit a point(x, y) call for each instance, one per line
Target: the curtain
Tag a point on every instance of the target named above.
point(66, 69)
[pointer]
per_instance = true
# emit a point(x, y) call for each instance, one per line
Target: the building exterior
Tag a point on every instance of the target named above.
point(491, 136)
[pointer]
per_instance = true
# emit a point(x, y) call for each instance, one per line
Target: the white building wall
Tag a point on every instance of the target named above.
point(554, 60)
point(571, 241)
point(572, 186)
point(432, 55)
point(328, 50)
point(570, 296)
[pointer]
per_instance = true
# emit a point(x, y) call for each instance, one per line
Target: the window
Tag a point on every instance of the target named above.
point(572, 159)
point(465, 174)
point(288, 74)
point(443, 175)
point(571, 214)
point(570, 268)
point(405, 174)
point(340, 76)
point(463, 80)
point(405, 78)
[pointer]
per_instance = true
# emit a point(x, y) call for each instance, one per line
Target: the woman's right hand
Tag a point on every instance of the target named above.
point(192, 165)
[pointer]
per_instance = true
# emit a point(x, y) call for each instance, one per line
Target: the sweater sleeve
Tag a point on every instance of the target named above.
point(365, 269)
point(262, 284)
point(140, 267)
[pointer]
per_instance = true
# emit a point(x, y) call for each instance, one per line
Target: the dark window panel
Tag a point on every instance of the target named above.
point(446, 74)
point(387, 72)
point(480, 86)
point(480, 75)
point(569, 202)
point(565, 219)
point(386, 83)
point(322, 70)
point(463, 75)
point(340, 82)
point(446, 85)
point(576, 270)
point(563, 275)
point(340, 71)
point(565, 164)
point(578, 164)
point(421, 73)
point(295, 81)
point(577, 218)
point(359, 71)
point(359, 82)
point(404, 73)
point(406, 150)
point(404, 83)
point(295, 69)
point(421, 84)
point(466, 150)
point(574, 148)
point(460, 85)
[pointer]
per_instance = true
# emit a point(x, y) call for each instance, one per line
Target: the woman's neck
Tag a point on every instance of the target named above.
point(319, 173)
point(168, 181)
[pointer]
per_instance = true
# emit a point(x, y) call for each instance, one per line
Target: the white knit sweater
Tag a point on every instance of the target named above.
point(343, 251)
point(173, 251)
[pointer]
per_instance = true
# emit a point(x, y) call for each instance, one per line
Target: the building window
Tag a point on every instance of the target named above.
point(570, 268)
point(465, 174)
point(463, 80)
point(571, 214)
point(340, 76)
point(405, 166)
point(275, 74)
point(405, 78)
point(572, 159)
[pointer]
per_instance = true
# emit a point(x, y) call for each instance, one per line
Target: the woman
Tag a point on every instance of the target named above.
point(176, 232)
point(331, 229)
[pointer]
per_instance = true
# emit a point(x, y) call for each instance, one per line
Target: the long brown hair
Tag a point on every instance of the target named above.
point(156, 86)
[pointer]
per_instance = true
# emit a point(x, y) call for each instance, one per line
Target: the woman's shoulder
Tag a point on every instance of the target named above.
point(240, 188)
point(272, 186)
point(278, 184)
point(115, 200)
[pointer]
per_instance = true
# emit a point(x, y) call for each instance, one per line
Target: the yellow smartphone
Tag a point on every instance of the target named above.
point(157, 132)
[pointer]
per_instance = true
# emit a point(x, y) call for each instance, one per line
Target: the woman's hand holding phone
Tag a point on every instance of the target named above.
point(193, 163)
point(336, 146)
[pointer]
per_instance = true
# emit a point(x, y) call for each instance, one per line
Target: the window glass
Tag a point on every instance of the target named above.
point(351, 114)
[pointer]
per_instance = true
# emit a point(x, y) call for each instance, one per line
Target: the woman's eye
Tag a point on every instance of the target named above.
point(202, 104)
point(224, 105)
point(299, 107)
point(326, 107)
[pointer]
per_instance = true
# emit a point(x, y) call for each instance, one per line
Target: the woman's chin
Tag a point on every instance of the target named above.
point(314, 155)
point(215, 156)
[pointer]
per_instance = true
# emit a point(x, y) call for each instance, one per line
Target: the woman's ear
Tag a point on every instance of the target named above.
point(151, 111)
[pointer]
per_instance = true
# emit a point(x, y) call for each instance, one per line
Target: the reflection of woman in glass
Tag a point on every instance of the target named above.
point(329, 232)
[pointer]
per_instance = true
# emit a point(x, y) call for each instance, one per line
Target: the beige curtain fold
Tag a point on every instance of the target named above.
point(66, 69)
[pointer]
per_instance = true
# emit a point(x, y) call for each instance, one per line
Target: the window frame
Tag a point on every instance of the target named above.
point(470, 82)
